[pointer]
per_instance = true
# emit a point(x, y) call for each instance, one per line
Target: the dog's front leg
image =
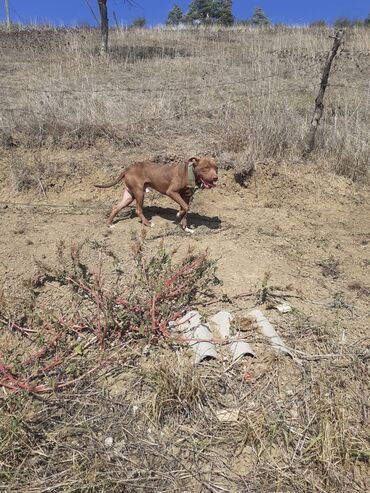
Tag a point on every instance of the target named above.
point(185, 225)
point(182, 215)
point(179, 200)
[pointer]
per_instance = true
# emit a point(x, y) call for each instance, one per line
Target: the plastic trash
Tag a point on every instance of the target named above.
point(199, 336)
point(268, 331)
point(238, 348)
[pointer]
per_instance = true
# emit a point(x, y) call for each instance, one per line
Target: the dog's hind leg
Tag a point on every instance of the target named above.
point(126, 200)
point(139, 197)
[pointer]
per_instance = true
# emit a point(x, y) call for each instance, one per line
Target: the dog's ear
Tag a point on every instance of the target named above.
point(194, 160)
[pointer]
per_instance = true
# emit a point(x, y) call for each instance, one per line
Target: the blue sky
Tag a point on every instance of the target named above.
point(71, 12)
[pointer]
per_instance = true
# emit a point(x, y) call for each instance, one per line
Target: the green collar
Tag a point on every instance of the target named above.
point(191, 177)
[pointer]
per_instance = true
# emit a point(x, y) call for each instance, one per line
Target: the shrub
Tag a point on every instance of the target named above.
point(259, 18)
point(342, 23)
point(122, 311)
point(139, 22)
point(318, 23)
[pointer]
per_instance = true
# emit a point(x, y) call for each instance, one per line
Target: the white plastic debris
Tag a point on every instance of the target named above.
point(268, 331)
point(198, 335)
point(222, 321)
point(238, 348)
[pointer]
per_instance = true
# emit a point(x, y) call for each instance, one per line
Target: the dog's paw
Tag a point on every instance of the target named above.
point(111, 226)
point(188, 230)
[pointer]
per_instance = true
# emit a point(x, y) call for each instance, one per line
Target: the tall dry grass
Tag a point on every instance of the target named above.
point(244, 94)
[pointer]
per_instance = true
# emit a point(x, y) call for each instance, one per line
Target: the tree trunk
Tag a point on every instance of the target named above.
point(103, 26)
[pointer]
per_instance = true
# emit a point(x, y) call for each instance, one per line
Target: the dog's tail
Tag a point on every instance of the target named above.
point(108, 185)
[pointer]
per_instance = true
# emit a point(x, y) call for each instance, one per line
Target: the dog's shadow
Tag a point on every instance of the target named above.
point(194, 218)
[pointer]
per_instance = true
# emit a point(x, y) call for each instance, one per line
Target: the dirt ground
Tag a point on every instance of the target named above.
point(283, 224)
point(296, 229)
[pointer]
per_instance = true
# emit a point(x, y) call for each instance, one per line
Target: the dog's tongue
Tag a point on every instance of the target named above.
point(207, 184)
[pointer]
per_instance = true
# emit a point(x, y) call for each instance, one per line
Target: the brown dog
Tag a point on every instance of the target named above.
point(176, 181)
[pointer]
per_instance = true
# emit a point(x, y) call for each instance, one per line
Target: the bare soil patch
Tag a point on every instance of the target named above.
point(298, 229)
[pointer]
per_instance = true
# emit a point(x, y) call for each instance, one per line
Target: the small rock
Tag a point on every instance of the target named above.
point(284, 308)
point(228, 415)
point(108, 442)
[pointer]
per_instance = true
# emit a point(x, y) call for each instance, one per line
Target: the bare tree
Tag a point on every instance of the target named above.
point(103, 9)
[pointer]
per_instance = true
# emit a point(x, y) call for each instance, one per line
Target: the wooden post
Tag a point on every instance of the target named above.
point(103, 26)
point(7, 11)
point(319, 105)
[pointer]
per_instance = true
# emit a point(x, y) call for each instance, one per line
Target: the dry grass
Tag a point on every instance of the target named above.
point(146, 419)
point(242, 92)
point(148, 423)
point(329, 267)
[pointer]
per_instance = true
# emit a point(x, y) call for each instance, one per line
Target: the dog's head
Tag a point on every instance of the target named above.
point(205, 171)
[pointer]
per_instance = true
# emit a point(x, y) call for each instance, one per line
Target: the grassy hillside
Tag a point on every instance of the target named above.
point(96, 394)
point(243, 92)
